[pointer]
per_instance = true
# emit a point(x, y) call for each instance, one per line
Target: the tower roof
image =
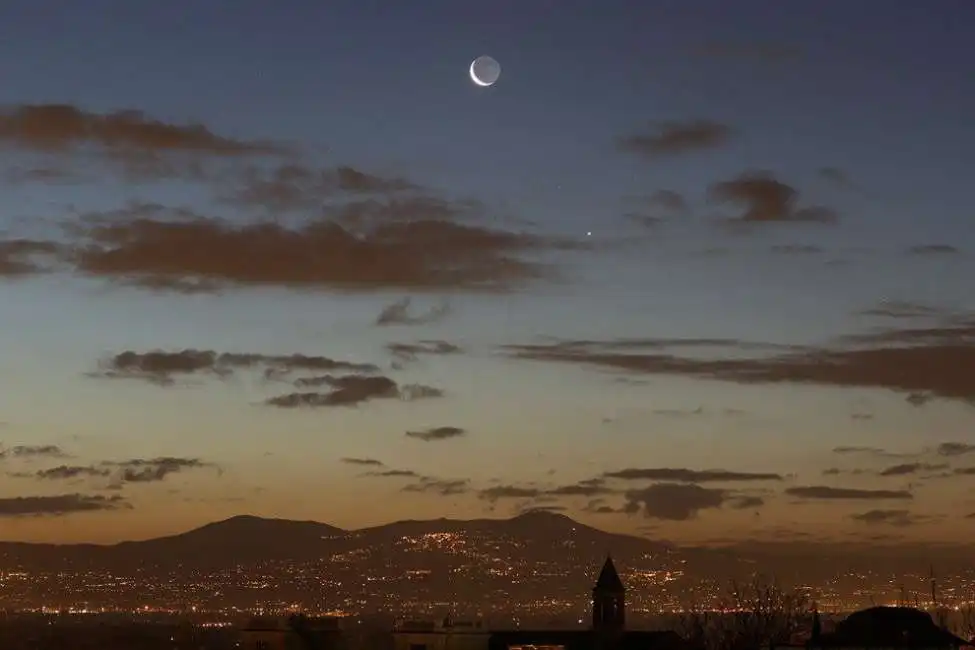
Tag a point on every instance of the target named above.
point(609, 579)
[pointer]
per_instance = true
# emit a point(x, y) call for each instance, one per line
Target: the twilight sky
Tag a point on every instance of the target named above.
point(290, 261)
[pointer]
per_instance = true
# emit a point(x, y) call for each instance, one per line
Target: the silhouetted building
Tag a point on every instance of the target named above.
point(883, 628)
point(608, 631)
point(440, 635)
point(296, 632)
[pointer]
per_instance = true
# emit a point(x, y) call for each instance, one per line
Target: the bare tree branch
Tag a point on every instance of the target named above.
point(751, 615)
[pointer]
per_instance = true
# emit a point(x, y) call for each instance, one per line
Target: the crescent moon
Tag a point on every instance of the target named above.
point(474, 76)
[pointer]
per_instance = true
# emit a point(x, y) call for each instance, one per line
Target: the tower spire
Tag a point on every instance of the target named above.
point(608, 600)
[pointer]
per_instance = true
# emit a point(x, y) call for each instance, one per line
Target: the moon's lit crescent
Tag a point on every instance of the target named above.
point(474, 76)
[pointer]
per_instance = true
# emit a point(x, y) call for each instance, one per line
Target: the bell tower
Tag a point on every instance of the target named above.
point(608, 600)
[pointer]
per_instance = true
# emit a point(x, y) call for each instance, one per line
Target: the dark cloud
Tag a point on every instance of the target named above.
point(933, 249)
point(766, 199)
point(162, 367)
point(672, 138)
point(58, 127)
point(152, 470)
point(437, 433)
point(441, 487)
point(135, 470)
point(851, 494)
point(587, 488)
point(394, 473)
point(64, 504)
point(63, 472)
point(409, 351)
point(905, 469)
point(955, 449)
point(20, 257)
point(836, 471)
point(409, 250)
point(368, 462)
point(398, 313)
point(690, 475)
point(351, 390)
point(32, 451)
point(888, 517)
point(928, 362)
point(674, 501)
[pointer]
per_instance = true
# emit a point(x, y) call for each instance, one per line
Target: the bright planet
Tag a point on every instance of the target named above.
point(485, 71)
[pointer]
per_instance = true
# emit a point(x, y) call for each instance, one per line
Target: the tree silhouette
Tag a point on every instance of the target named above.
point(965, 621)
point(750, 615)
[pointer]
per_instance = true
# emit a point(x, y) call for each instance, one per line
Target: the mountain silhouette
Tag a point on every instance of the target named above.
point(248, 539)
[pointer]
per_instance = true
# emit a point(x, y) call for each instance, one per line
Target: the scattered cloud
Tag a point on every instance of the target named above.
point(366, 462)
point(679, 413)
point(57, 127)
point(683, 475)
point(409, 351)
point(955, 448)
point(32, 451)
point(64, 504)
point(858, 450)
point(747, 502)
point(64, 472)
point(926, 362)
point(849, 494)
point(441, 487)
point(587, 488)
point(901, 309)
point(888, 517)
point(905, 469)
point(19, 257)
point(436, 433)
point(766, 199)
point(351, 390)
point(152, 470)
point(407, 249)
point(394, 473)
point(398, 313)
point(162, 367)
point(292, 186)
point(673, 138)
point(509, 492)
point(674, 501)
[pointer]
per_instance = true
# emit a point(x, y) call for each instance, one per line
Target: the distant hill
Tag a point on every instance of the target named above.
point(247, 539)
